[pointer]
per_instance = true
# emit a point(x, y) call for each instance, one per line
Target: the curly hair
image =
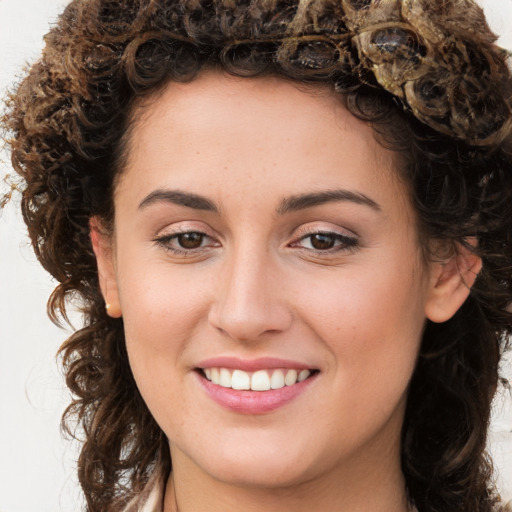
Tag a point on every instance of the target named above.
point(426, 74)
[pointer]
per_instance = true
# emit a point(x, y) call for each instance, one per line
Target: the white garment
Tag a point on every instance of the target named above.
point(154, 502)
point(152, 497)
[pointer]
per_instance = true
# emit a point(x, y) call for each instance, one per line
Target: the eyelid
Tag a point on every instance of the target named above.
point(178, 228)
point(313, 229)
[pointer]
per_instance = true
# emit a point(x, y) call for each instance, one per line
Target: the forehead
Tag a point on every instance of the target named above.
point(282, 132)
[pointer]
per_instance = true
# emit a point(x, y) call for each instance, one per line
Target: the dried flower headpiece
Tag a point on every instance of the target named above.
point(437, 56)
point(419, 53)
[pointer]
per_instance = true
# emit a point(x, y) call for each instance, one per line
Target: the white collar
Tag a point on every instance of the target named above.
point(151, 499)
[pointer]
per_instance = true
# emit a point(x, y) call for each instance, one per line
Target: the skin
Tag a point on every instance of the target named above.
point(258, 286)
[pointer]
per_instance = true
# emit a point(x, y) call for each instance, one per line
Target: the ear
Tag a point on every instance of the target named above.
point(103, 250)
point(451, 282)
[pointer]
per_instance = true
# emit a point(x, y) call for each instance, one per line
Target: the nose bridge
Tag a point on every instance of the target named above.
point(248, 302)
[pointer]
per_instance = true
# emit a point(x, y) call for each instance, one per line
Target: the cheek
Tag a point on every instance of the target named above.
point(161, 314)
point(159, 303)
point(372, 322)
point(364, 302)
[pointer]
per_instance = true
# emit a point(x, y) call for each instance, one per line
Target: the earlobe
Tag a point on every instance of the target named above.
point(451, 283)
point(102, 246)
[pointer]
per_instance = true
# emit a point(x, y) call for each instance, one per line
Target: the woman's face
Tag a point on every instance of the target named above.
point(262, 237)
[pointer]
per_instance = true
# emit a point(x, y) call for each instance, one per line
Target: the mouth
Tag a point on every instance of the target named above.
point(256, 386)
point(260, 380)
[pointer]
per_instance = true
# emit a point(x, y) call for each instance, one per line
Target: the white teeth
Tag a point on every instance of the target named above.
point(303, 375)
point(261, 380)
point(215, 376)
point(225, 378)
point(291, 377)
point(277, 380)
point(240, 380)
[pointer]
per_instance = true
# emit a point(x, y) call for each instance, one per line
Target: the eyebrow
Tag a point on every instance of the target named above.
point(289, 204)
point(302, 201)
point(179, 198)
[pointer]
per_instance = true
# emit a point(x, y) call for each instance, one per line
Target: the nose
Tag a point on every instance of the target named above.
point(249, 303)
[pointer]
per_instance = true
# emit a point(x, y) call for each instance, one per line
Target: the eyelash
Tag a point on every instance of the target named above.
point(166, 241)
point(344, 242)
point(341, 242)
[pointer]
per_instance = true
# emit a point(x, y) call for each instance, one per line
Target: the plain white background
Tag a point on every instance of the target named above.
point(36, 466)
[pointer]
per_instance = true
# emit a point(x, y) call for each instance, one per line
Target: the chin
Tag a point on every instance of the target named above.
point(264, 462)
point(259, 472)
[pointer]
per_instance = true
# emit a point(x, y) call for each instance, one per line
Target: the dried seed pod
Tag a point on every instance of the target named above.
point(360, 14)
point(438, 19)
point(393, 53)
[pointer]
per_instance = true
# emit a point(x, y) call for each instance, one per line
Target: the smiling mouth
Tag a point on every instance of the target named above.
point(261, 380)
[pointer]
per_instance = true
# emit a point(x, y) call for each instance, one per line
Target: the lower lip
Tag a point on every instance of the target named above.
point(254, 402)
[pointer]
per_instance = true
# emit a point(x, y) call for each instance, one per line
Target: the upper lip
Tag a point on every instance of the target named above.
point(252, 365)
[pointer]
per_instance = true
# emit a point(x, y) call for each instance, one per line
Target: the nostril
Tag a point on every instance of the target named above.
point(250, 324)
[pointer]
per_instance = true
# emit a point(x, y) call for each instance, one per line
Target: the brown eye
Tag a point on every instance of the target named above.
point(192, 240)
point(322, 242)
point(326, 242)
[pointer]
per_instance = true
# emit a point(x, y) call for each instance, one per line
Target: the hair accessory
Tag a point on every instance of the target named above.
point(429, 56)
point(437, 56)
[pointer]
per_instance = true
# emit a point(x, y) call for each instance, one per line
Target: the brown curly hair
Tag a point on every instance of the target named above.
point(428, 77)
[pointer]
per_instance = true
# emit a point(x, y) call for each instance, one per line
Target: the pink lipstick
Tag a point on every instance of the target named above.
point(254, 386)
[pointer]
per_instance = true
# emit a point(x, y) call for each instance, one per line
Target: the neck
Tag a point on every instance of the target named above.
point(358, 486)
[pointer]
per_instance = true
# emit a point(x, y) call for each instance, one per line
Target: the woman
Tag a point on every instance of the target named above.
point(289, 228)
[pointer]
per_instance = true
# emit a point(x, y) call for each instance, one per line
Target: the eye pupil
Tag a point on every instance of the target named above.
point(322, 242)
point(190, 240)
